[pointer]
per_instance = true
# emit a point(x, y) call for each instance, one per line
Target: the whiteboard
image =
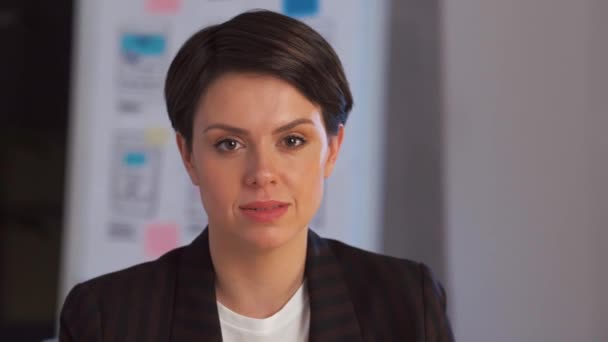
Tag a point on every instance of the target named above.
point(129, 199)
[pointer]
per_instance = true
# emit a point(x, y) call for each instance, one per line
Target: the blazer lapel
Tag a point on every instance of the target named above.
point(195, 312)
point(195, 318)
point(332, 315)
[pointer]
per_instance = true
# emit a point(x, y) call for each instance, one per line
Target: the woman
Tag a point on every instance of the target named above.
point(259, 105)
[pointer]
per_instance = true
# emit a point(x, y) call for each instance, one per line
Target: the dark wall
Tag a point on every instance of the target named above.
point(35, 40)
point(413, 182)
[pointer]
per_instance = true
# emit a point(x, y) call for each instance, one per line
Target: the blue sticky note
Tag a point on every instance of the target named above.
point(301, 8)
point(134, 159)
point(143, 44)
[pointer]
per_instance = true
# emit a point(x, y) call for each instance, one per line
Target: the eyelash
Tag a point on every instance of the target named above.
point(221, 145)
point(297, 137)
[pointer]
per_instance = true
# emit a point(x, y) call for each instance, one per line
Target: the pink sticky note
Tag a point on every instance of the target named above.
point(159, 239)
point(162, 6)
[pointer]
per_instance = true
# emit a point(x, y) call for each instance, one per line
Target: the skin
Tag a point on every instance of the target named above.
point(257, 138)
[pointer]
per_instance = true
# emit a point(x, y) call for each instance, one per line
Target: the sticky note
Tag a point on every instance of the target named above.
point(162, 6)
point(134, 159)
point(156, 136)
point(143, 44)
point(159, 239)
point(301, 8)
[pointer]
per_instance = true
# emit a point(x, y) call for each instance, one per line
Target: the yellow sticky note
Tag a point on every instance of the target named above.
point(156, 136)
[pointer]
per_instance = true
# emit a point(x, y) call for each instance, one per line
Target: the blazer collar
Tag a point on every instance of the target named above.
point(332, 315)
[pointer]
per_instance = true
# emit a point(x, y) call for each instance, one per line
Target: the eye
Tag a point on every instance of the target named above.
point(293, 141)
point(228, 145)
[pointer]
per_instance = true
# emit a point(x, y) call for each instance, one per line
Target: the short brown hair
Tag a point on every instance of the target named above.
point(260, 42)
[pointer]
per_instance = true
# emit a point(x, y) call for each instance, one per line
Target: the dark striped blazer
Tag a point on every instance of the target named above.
point(354, 296)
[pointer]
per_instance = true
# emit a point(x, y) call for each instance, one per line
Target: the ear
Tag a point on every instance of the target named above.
point(186, 153)
point(335, 143)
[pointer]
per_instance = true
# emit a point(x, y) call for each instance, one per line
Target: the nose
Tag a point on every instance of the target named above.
point(260, 170)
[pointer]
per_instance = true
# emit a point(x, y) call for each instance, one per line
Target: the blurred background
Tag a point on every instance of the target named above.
point(477, 145)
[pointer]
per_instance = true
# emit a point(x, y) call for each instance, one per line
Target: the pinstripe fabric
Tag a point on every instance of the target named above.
point(354, 296)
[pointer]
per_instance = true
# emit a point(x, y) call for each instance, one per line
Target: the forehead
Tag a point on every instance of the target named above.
point(253, 100)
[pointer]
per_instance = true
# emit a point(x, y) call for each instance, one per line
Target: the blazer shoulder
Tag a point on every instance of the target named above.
point(96, 304)
point(381, 264)
point(379, 280)
point(404, 275)
point(405, 293)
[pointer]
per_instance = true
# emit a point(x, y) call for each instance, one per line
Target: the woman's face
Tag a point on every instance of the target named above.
point(260, 154)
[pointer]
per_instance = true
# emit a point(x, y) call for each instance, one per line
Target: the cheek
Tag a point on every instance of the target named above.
point(308, 175)
point(218, 184)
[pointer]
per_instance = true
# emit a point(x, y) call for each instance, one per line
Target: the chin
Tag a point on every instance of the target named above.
point(269, 237)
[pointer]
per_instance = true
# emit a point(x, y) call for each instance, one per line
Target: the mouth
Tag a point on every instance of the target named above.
point(264, 208)
point(264, 211)
point(263, 205)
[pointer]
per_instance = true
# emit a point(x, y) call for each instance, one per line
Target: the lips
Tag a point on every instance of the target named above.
point(263, 205)
point(264, 211)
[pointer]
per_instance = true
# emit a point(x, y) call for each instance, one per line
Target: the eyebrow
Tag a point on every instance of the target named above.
point(241, 131)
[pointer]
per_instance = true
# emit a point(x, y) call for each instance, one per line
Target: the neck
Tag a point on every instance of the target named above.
point(257, 283)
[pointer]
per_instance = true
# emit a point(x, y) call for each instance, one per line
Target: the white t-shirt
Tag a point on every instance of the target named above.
point(291, 323)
